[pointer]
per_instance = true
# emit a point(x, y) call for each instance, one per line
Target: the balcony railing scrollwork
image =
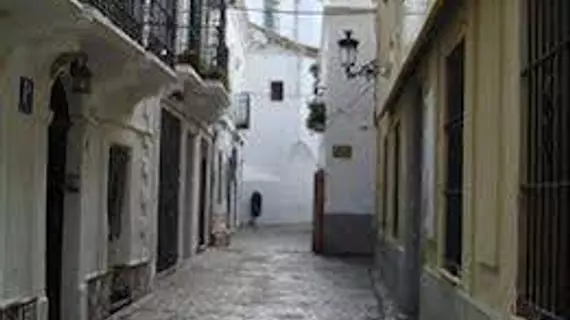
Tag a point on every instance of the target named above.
point(206, 48)
point(126, 14)
point(151, 23)
point(162, 29)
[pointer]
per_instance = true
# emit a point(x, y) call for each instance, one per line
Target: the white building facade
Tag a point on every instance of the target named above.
point(105, 155)
point(280, 154)
point(348, 151)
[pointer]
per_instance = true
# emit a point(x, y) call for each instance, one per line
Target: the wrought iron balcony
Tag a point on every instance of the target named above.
point(126, 14)
point(158, 17)
point(206, 48)
point(162, 29)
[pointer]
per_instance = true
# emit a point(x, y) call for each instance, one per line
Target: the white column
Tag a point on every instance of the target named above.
point(74, 292)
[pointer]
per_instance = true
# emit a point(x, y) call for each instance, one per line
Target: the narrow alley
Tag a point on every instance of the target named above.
point(266, 274)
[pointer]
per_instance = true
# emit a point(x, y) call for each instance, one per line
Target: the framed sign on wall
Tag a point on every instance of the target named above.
point(342, 151)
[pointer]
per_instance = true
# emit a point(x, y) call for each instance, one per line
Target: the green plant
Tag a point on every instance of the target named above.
point(316, 121)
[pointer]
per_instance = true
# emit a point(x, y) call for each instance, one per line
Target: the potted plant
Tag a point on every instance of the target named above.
point(316, 121)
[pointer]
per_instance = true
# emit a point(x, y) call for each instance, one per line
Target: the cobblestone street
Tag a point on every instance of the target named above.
point(266, 274)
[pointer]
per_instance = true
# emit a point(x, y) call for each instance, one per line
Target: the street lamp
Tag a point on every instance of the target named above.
point(348, 56)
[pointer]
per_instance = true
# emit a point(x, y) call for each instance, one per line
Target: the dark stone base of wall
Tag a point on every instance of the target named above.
point(98, 291)
point(348, 234)
point(439, 299)
point(20, 311)
point(387, 275)
point(116, 289)
point(437, 292)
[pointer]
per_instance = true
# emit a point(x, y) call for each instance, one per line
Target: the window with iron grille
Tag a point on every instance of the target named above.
point(276, 90)
point(396, 184)
point(119, 161)
point(544, 282)
point(455, 87)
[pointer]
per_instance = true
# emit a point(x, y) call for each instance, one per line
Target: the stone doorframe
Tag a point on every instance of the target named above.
point(73, 292)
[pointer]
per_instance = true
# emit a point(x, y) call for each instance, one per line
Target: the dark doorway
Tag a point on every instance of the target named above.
point(55, 197)
point(117, 190)
point(203, 198)
point(318, 211)
point(170, 137)
point(455, 85)
point(189, 198)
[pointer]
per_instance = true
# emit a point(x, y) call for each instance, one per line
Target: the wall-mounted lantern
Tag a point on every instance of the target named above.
point(348, 56)
point(348, 50)
point(80, 74)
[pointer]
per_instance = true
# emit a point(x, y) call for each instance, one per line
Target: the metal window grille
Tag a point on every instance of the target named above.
point(119, 160)
point(396, 184)
point(544, 286)
point(455, 86)
point(242, 110)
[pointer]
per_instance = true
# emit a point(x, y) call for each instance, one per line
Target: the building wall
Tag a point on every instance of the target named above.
point(96, 124)
point(279, 159)
point(486, 287)
point(349, 185)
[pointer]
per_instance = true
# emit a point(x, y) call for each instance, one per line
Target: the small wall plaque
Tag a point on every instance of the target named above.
point(342, 151)
point(26, 104)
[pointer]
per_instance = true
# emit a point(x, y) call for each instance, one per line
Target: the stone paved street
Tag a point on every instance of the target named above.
point(267, 274)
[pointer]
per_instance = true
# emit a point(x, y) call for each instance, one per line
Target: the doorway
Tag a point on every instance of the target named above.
point(189, 199)
point(169, 185)
point(203, 193)
point(55, 196)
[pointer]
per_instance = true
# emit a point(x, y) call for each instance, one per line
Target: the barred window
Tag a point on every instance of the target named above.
point(544, 283)
point(119, 162)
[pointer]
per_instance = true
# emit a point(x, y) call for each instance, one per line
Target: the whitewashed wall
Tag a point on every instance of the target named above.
point(23, 157)
point(279, 160)
point(23, 160)
point(350, 104)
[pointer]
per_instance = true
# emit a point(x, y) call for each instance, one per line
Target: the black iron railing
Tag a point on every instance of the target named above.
point(206, 48)
point(126, 14)
point(544, 283)
point(159, 20)
point(162, 29)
